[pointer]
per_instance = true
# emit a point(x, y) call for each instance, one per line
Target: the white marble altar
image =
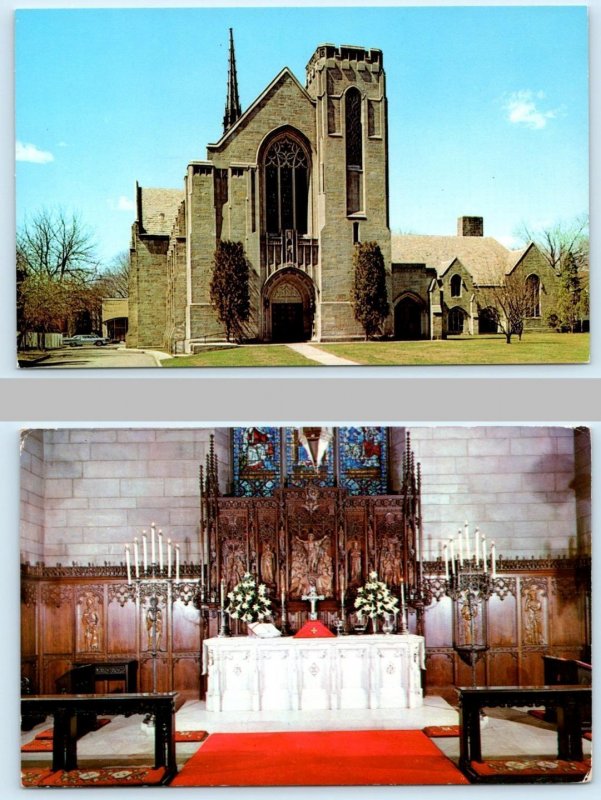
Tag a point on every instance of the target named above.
point(345, 672)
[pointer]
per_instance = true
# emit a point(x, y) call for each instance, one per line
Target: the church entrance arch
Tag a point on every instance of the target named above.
point(289, 300)
point(488, 320)
point(408, 318)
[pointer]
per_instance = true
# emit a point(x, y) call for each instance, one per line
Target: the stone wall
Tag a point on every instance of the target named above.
point(516, 484)
point(102, 487)
point(582, 453)
point(32, 496)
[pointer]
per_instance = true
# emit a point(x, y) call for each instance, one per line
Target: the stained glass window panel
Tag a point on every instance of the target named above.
point(300, 470)
point(363, 460)
point(257, 461)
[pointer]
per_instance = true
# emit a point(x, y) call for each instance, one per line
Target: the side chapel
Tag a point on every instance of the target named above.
point(301, 177)
point(300, 508)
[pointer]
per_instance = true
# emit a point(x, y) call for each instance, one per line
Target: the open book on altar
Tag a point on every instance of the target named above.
point(264, 630)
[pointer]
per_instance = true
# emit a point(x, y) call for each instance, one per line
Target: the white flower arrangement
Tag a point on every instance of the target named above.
point(247, 601)
point(375, 599)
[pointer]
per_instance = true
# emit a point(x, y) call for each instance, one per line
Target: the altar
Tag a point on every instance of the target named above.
point(345, 672)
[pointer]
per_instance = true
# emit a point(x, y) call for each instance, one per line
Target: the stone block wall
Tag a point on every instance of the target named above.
point(102, 487)
point(582, 485)
point(516, 484)
point(32, 495)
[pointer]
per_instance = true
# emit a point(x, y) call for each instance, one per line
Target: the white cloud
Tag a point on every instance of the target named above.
point(522, 109)
point(31, 153)
point(122, 204)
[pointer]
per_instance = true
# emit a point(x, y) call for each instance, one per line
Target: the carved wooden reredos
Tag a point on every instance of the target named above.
point(314, 535)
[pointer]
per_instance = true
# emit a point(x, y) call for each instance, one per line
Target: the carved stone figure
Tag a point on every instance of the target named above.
point(310, 564)
point(90, 621)
point(268, 563)
point(469, 612)
point(355, 558)
point(154, 624)
point(533, 617)
point(233, 566)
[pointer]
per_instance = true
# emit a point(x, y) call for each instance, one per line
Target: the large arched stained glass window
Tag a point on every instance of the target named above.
point(286, 186)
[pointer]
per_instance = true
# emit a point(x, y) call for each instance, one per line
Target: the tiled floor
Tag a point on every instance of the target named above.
point(127, 741)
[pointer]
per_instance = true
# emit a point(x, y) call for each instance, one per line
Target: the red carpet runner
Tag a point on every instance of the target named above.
point(321, 758)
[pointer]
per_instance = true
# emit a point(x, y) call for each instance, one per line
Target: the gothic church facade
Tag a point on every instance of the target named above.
point(300, 178)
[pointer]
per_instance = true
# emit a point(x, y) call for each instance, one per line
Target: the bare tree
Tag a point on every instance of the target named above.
point(56, 271)
point(114, 281)
point(511, 300)
point(560, 243)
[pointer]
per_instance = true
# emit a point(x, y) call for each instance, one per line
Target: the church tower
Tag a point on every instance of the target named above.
point(348, 85)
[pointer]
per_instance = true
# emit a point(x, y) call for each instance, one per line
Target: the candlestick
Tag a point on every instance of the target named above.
point(467, 540)
point(452, 552)
point(445, 551)
point(177, 563)
point(402, 595)
point(283, 596)
point(145, 550)
point(152, 545)
point(484, 554)
point(342, 597)
point(477, 545)
point(168, 558)
point(136, 557)
point(460, 546)
point(222, 593)
point(128, 564)
point(493, 563)
point(160, 549)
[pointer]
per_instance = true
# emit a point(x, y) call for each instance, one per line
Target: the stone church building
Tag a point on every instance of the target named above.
point(300, 177)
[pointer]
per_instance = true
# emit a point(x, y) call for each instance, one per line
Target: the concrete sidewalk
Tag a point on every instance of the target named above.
point(320, 356)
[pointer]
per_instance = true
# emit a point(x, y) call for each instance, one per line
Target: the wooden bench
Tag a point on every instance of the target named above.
point(65, 709)
point(567, 702)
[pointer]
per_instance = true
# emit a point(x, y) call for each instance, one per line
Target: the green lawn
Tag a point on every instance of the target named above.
point(259, 355)
point(535, 348)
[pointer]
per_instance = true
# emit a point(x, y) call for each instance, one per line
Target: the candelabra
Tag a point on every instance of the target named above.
point(469, 582)
point(154, 580)
point(284, 627)
point(224, 626)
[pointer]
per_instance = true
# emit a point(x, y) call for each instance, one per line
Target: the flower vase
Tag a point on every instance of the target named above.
point(374, 624)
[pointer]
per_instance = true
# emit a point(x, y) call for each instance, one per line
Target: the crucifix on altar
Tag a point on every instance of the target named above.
point(312, 597)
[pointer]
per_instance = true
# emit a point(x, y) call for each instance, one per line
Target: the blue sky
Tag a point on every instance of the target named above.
point(488, 106)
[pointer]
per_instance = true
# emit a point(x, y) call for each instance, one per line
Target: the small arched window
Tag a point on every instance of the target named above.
point(456, 286)
point(533, 296)
point(354, 151)
point(456, 321)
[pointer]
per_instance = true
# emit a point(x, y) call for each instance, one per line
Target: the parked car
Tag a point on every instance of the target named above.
point(83, 339)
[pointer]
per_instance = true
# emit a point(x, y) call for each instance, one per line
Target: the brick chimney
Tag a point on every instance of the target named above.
point(470, 226)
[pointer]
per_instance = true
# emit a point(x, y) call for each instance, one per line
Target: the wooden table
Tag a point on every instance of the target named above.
point(64, 708)
point(566, 700)
point(126, 671)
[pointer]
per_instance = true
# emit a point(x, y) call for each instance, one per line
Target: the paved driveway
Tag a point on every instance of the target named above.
point(98, 358)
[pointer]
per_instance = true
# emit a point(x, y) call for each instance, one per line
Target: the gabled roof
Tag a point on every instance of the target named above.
point(484, 257)
point(250, 111)
point(157, 210)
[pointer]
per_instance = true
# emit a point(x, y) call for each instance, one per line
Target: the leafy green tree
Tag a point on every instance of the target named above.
point(572, 298)
point(230, 293)
point(370, 298)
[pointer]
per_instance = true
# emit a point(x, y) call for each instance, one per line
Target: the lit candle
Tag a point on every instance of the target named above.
point(222, 593)
point(145, 550)
point(160, 549)
point(460, 545)
point(342, 597)
point(484, 554)
point(136, 557)
point(128, 563)
point(402, 595)
point(152, 545)
point(283, 596)
point(168, 558)
point(493, 561)
point(452, 553)
point(177, 563)
point(467, 540)
point(445, 551)
point(477, 545)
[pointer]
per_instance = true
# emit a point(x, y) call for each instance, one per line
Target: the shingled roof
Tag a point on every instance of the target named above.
point(157, 209)
point(483, 256)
